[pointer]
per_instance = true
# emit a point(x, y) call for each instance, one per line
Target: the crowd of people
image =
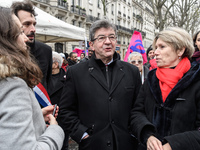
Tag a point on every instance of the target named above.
point(103, 103)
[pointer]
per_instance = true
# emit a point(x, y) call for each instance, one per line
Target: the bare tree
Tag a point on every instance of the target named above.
point(185, 14)
point(105, 3)
point(104, 6)
point(161, 12)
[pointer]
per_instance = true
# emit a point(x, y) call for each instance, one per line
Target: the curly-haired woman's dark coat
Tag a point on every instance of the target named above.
point(175, 121)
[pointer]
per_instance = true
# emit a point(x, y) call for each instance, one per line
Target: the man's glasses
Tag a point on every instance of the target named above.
point(102, 38)
point(136, 61)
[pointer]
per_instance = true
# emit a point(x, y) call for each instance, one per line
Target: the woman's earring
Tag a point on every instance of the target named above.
point(179, 57)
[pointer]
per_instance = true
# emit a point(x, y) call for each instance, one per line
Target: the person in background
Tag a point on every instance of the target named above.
point(99, 94)
point(166, 115)
point(65, 62)
point(136, 59)
point(58, 78)
point(82, 56)
point(151, 62)
point(90, 52)
point(56, 88)
point(73, 59)
point(196, 42)
point(22, 122)
point(24, 10)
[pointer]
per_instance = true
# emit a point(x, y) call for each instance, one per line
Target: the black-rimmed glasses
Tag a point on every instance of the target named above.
point(102, 38)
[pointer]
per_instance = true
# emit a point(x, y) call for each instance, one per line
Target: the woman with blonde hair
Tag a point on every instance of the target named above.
point(166, 115)
point(22, 123)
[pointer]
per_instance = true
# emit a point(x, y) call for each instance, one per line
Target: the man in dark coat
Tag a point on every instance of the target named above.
point(73, 59)
point(99, 95)
point(42, 52)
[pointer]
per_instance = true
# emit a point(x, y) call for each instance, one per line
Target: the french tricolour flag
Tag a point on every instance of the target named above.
point(42, 95)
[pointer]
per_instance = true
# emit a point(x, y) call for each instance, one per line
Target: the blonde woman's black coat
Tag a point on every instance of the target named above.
point(177, 121)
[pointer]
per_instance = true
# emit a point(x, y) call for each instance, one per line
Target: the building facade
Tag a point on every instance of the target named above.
point(127, 15)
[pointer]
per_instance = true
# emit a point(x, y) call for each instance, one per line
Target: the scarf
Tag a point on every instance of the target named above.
point(168, 77)
point(196, 56)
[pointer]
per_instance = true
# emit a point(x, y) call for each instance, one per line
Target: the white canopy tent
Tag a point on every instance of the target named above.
point(51, 29)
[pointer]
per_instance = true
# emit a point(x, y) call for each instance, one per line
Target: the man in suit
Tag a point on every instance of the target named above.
point(99, 94)
point(43, 53)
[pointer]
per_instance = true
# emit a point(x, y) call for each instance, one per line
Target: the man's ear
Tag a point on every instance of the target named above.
point(91, 45)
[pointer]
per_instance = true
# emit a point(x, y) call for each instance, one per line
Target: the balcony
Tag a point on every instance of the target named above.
point(78, 10)
point(43, 1)
point(92, 19)
point(63, 4)
point(139, 18)
point(119, 12)
point(124, 29)
point(124, 15)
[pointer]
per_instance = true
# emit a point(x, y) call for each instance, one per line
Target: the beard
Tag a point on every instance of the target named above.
point(31, 38)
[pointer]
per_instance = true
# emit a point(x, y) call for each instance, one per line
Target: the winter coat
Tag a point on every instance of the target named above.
point(89, 105)
point(175, 121)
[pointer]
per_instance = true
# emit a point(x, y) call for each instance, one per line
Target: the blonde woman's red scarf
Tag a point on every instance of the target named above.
point(168, 77)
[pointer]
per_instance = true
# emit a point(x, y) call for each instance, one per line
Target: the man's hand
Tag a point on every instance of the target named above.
point(85, 137)
point(167, 147)
point(154, 144)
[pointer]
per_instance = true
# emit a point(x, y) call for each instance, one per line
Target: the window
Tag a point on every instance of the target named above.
point(79, 2)
point(98, 15)
point(112, 9)
point(59, 47)
point(73, 3)
point(80, 24)
point(74, 22)
point(118, 22)
point(98, 4)
point(90, 12)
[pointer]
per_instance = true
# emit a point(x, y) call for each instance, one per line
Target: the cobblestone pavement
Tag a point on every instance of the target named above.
point(72, 144)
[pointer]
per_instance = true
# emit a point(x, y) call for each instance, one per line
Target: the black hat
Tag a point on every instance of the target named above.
point(149, 49)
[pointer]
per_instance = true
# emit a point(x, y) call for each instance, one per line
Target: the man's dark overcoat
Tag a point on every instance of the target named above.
point(43, 56)
point(88, 105)
point(177, 120)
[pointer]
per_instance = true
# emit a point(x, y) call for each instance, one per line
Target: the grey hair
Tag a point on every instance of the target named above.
point(57, 58)
point(134, 54)
point(104, 23)
point(177, 38)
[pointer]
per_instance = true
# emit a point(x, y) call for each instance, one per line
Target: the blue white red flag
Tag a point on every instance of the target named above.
point(136, 46)
point(42, 95)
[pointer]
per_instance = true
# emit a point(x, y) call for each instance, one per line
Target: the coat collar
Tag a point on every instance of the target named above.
point(60, 83)
point(95, 71)
point(187, 79)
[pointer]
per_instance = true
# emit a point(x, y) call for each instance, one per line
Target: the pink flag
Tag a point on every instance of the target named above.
point(79, 51)
point(136, 46)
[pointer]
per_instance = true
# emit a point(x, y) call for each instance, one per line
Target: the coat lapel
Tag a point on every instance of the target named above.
point(118, 74)
point(95, 71)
